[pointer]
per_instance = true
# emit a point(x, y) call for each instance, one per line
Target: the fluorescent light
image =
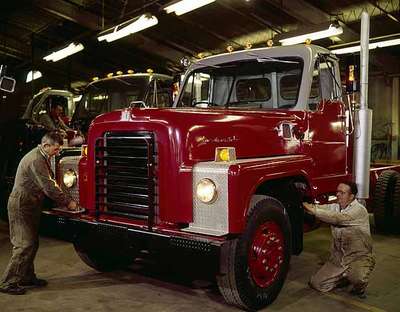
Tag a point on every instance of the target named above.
point(380, 44)
point(63, 53)
point(185, 6)
point(32, 76)
point(137, 24)
point(331, 31)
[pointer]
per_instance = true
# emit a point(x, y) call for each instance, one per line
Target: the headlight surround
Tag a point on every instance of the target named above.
point(69, 178)
point(206, 191)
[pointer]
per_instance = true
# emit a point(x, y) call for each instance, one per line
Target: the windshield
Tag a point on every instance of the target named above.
point(108, 95)
point(264, 83)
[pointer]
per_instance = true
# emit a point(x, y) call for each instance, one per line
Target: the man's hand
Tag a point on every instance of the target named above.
point(310, 208)
point(72, 205)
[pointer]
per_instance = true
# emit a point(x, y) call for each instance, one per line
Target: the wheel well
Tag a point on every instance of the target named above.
point(291, 192)
point(280, 188)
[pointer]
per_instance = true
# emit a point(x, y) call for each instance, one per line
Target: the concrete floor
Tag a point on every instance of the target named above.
point(148, 287)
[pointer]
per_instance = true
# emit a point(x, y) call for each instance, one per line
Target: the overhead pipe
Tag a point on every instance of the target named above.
point(363, 118)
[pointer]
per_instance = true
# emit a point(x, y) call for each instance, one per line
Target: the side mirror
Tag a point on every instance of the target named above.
point(7, 84)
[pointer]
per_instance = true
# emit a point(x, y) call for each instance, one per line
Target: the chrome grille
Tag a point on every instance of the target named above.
point(125, 180)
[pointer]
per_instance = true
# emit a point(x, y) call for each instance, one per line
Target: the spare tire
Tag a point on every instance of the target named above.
point(383, 200)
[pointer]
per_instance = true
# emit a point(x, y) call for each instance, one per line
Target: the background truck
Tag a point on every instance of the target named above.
point(253, 134)
point(103, 95)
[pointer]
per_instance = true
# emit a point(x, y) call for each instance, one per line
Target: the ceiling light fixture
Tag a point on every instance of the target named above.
point(63, 53)
point(184, 6)
point(33, 75)
point(132, 26)
point(332, 30)
point(374, 45)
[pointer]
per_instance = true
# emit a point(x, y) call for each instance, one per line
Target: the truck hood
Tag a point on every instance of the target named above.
point(193, 134)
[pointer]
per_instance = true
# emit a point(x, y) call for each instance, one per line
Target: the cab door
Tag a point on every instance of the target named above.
point(326, 139)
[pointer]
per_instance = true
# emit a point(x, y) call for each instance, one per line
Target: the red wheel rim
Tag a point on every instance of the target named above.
point(266, 254)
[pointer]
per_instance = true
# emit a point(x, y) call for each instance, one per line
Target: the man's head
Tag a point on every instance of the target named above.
point(56, 111)
point(346, 192)
point(52, 142)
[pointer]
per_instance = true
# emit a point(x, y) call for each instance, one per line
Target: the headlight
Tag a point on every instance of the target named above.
point(69, 178)
point(206, 191)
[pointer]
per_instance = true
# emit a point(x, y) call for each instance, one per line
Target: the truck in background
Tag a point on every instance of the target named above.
point(100, 96)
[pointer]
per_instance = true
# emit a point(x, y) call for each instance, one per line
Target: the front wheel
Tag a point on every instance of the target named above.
point(103, 258)
point(257, 262)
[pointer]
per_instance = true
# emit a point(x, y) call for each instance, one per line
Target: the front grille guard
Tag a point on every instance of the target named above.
point(103, 172)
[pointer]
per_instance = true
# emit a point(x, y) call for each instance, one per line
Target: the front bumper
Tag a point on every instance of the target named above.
point(108, 233)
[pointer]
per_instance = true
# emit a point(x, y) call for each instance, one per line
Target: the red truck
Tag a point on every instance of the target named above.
point(251, 135)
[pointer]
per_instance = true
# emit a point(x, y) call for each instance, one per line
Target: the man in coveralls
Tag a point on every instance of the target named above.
point(53, 121)
point(351, 260)
point(33, 181)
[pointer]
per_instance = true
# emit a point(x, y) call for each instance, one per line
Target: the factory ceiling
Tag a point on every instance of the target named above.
point(29, 30)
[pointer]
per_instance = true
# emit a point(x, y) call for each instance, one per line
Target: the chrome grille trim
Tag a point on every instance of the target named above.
point(125, 179)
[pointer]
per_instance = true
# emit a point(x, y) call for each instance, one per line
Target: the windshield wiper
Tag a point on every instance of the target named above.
point(272, 59)
point(123, 81)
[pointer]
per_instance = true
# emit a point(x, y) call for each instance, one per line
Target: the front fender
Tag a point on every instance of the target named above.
point(245, 176)
point(236, 183)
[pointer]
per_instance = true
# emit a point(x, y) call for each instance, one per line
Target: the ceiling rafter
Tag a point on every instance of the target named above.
point(308, 14)
point(70, 12)
point(373, 8)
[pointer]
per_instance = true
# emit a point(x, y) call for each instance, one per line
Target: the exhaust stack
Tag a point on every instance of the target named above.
point(363, 118)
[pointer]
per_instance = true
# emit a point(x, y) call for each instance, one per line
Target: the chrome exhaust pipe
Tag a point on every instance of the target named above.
point(363, 118)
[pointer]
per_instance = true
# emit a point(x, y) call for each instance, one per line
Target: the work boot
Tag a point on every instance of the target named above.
point(35, 282)
point(12, 289)
point(360, 293)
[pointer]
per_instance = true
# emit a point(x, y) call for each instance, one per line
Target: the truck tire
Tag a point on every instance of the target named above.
point(254, 266)
point(396, 207)
point(383, 200)
point(103, 259)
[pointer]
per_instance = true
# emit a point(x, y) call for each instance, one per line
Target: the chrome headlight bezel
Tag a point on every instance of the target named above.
point(206, 191)
point(69, 178)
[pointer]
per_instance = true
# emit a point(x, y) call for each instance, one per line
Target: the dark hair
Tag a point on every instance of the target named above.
point(55, 104)
point(52, 137)
point(353, 187)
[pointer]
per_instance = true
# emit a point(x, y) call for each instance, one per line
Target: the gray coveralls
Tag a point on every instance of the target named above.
point(351, 256)
point(32, 182)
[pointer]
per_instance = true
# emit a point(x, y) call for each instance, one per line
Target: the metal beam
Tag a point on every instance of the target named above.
point(310, 15)
point(70, 12)
point(13, 47)
point(373, 8)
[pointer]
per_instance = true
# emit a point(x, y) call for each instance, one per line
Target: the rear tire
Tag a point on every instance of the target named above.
point(255, 264)
point(396, 207)
point(383, 200)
